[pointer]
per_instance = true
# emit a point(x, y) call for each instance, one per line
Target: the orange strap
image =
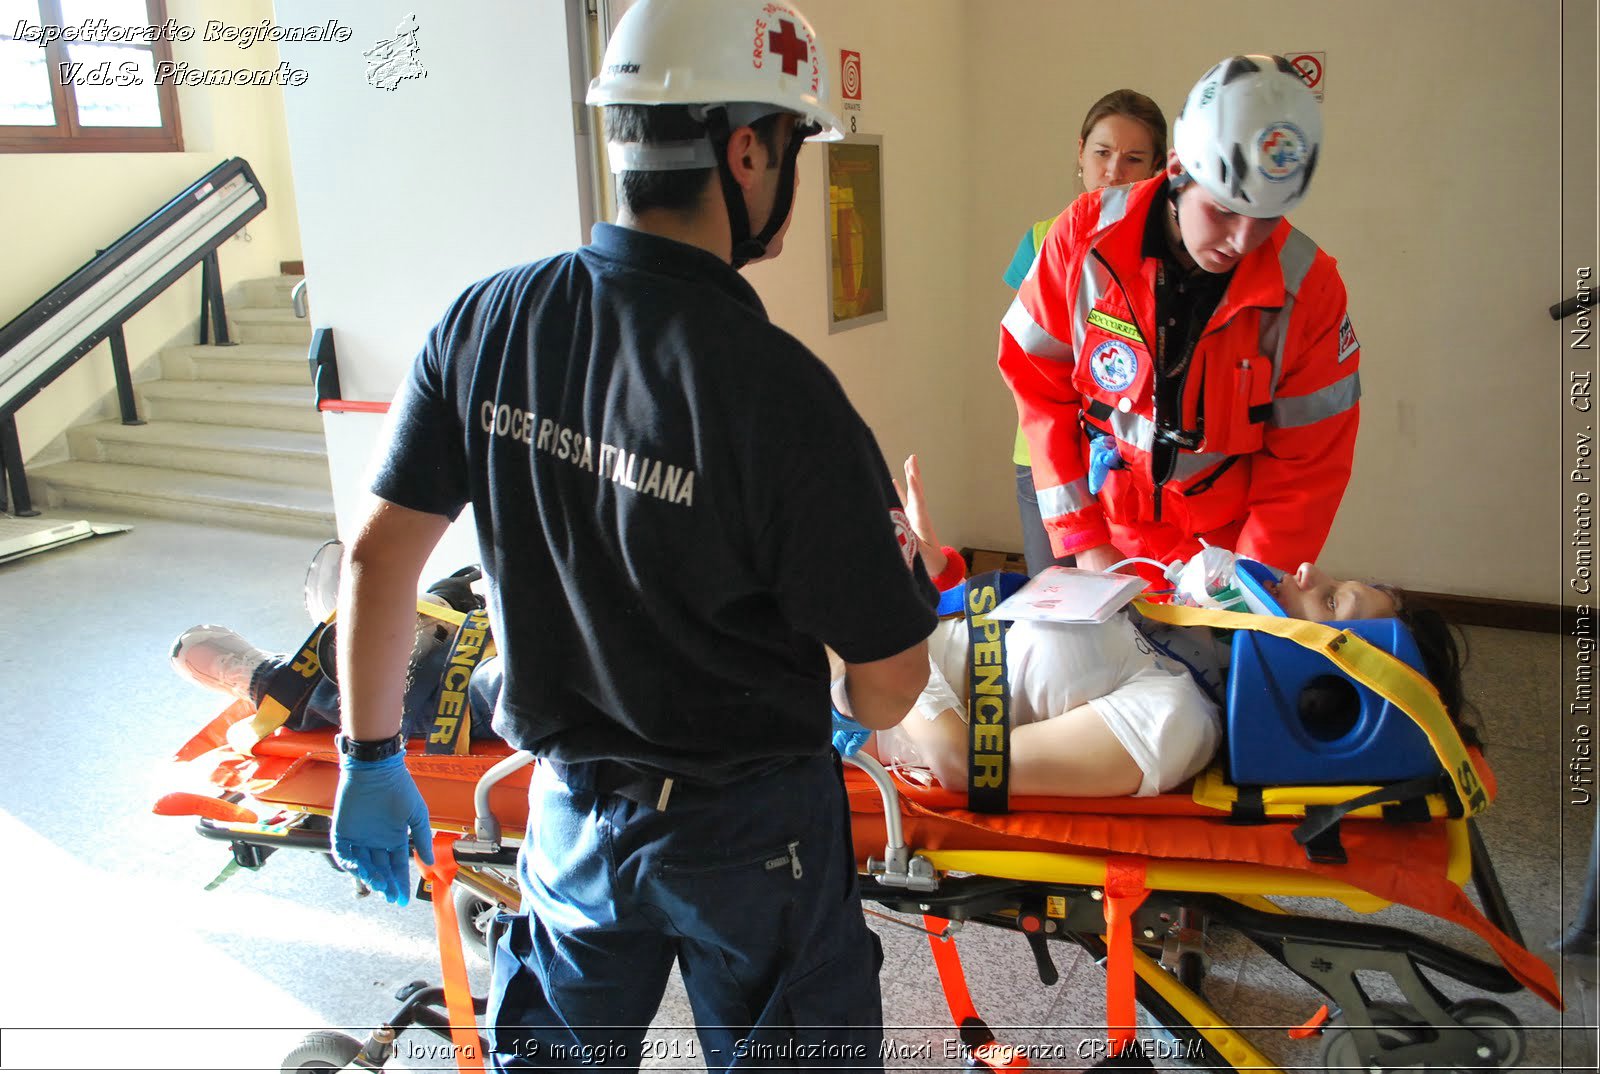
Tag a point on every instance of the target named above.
point(951, 976)
point(457, 992)
point(982, 1047)
point(188, 804)
point(1125, 890)
point(1311, 1026)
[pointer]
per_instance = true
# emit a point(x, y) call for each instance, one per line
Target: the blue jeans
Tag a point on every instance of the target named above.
point(1035, 541)
point(750, 888)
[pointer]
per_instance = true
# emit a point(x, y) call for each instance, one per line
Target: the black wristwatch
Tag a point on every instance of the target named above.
point(362, 749)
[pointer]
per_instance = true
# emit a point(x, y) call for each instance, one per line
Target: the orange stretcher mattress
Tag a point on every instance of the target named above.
point(1408, 864)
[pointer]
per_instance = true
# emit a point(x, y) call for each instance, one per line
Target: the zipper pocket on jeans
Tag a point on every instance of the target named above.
point(789, 856)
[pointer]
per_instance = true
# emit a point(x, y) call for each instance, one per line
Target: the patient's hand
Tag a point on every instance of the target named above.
point(916, 505)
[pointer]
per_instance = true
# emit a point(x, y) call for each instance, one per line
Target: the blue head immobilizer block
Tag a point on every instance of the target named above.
point(1295, 718)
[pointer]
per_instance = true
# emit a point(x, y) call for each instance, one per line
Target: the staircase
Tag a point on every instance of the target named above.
point(232, 435)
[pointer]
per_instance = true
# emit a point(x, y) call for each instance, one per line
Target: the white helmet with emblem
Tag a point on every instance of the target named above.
point(756, 56)
point(1249, 134)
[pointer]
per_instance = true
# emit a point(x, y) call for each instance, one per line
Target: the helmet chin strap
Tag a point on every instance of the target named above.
point(748, 247)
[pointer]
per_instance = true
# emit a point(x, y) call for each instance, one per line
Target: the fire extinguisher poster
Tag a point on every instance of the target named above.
point(855, 232)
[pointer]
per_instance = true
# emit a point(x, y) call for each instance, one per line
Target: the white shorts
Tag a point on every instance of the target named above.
point(1152, 705)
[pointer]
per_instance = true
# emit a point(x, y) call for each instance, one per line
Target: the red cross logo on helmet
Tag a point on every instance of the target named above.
point(791, 46)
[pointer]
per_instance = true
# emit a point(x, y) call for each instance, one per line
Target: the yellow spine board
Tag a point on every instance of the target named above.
point(1213, 791)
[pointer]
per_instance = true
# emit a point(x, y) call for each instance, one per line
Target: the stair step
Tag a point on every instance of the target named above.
point(234, 501)
point(261, 363)
point(294, 458)
point(210, 402)
point(269, 291)
point(260, 324)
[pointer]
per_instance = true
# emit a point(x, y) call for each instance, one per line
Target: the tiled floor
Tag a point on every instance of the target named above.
point(117, 959)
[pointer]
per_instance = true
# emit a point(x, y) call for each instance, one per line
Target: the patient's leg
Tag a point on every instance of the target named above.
point(221, 659)
point(1073, 754)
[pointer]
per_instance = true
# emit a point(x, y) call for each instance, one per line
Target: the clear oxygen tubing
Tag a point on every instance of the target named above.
point(1169, 571)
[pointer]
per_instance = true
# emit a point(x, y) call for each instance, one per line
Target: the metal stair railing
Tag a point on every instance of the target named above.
point(92, 305)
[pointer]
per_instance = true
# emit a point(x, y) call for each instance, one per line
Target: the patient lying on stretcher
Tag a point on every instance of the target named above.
point(1123, 707)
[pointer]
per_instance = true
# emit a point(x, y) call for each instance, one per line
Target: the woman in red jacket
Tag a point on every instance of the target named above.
point(1181, 356)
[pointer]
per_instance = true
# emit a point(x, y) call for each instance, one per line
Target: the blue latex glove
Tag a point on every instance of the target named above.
point(1103, 458)
point(378, 816)
point(848, 736)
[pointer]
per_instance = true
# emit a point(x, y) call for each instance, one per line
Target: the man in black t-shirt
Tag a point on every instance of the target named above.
point(677, 508)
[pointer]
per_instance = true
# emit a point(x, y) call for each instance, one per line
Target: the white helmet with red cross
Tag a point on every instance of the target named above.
point(755, 56)
point(1249, 134)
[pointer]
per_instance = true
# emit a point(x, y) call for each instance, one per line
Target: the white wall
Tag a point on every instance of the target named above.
point(904, 374)
point(407, 196)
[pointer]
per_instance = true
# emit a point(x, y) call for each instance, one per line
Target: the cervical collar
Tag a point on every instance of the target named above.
point(1256, 582)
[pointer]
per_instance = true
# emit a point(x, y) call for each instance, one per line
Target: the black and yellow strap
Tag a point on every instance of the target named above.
point(1384, 674)
point(293, 683)
point(286, 691)
point(452, 717)
point(988, 699)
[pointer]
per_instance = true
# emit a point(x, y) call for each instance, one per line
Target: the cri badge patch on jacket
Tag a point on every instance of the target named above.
point(1113, 365)
point(1347, 338)
point(904, 534)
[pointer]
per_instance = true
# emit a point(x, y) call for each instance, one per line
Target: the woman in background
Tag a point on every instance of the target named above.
point(1123, 140)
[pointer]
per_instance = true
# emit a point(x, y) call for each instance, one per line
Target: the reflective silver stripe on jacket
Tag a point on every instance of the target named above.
point(1299, 253)
point(1093, 282)
point(1113, 205)
point(1193, 463)
point(1295, 259)
point(1058, 500)
point(1294, 411)
point(1134, 429)
point(1030, 337)
point(1139, 432)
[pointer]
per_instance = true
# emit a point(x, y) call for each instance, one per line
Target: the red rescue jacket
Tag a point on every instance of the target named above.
point(1272, 386)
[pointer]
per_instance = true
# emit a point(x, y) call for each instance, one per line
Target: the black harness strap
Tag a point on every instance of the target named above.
point(1322, 844)
point(988, 700)
point(1319, 832)
point(1248, 808)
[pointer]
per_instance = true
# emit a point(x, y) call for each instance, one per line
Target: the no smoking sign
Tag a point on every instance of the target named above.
point(1312, 68)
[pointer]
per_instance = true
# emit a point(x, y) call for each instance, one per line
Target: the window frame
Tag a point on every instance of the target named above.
point(67, 135)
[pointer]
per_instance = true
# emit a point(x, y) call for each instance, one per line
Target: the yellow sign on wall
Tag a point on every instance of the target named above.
point(855, 232)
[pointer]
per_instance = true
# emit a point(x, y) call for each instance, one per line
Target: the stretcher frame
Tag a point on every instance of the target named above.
point(1045, 896)
point(1009, 889)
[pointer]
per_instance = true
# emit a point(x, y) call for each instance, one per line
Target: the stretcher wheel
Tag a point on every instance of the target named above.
point(321, 1050)
point(1498, 1024)
point(475, 921)
point(1341, 1051)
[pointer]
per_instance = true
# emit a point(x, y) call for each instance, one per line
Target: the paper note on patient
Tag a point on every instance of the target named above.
point(1070, 595)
